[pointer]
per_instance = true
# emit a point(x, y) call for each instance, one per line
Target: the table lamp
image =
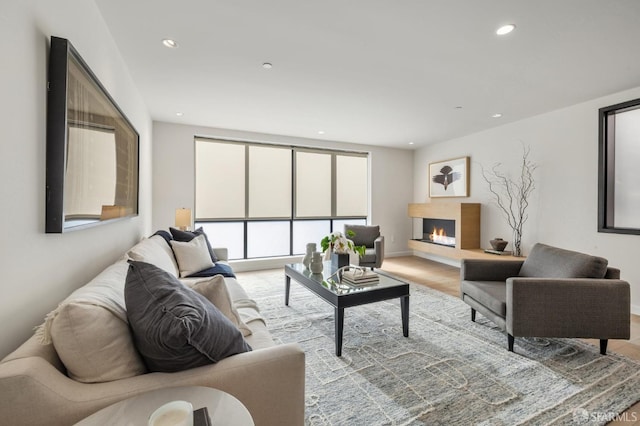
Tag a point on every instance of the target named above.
point(183, 219)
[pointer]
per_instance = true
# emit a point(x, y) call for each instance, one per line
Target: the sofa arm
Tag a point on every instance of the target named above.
point(378, 245)
point(270, 382)
point(572, 307)
point(222, 253)
point(489, 270)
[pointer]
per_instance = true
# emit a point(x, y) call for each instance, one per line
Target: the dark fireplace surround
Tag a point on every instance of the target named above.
point(444, 230)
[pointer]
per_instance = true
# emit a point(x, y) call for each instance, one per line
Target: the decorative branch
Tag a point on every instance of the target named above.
point(512, 196)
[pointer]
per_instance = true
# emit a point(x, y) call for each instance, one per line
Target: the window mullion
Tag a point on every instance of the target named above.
point(293, 199)
point(334, 185)
point(246, 181)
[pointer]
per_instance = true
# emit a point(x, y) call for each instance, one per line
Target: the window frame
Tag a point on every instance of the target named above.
point(607, 168)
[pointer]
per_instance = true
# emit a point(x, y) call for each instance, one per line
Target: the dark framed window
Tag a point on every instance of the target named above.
point(618, 170)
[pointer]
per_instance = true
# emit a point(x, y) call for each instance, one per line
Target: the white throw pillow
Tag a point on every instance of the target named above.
point(90, 332)
point(156, 251)
point(192, 256)
point(95, 345)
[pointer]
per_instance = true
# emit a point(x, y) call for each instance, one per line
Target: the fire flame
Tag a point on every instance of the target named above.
point(440, 236)
point(437, 234)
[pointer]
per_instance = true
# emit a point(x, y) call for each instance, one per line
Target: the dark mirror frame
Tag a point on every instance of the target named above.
point(607, 168)
point(58, 123)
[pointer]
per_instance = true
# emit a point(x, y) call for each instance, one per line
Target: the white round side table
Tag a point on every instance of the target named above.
point(224, 409)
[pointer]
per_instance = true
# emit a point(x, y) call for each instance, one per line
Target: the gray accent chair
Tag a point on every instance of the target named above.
point(552, 293)
point(368, 236)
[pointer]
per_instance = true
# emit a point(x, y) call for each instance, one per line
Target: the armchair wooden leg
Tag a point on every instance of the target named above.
point(473, 315)
point(510, 340)
point(603, 346)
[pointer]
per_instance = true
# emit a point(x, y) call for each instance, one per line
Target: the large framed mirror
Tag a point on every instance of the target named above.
point(618, 171)
point(92, 148)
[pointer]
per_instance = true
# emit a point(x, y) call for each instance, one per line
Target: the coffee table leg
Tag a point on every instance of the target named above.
point(339, 314)
point(287, 286)
point(404, 308)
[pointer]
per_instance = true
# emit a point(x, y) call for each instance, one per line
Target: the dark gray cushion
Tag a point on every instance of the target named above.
point(552, 262)
point(186, 236)
point(490, 294)
point(164, 234)
point(175, 328)
point(365, 235)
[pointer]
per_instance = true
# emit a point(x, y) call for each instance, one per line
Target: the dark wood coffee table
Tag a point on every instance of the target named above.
point(343, 295)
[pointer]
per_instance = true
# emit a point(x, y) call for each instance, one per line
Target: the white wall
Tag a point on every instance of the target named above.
point(564, 208)
point(38, 269)
point(174, 175)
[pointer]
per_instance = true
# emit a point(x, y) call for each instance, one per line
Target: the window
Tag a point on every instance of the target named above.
point(619, 152)
point(351, 198)
point(261, 200)
point(220, 180)
point(305, 231)
point(269, 182)
point(313, 184)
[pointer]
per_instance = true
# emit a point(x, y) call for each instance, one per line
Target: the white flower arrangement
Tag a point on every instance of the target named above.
point(337, 242)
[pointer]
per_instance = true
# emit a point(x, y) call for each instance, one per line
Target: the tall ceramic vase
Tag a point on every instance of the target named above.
point(311, 247)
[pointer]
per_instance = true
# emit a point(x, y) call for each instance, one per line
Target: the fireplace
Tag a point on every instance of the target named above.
point(439, 231)
point(464, 228)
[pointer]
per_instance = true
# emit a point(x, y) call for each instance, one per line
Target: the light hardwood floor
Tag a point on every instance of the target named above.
point(446, 279)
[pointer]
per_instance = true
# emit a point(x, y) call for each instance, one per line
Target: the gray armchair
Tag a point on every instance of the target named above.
point(553, 293)
point(368, 236)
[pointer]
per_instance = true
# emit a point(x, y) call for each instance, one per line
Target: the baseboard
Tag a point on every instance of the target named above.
point(635, 310)
point(440, 259)
point(399, 254)
point(247, 265)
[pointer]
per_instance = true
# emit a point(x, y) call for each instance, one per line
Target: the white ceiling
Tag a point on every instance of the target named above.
point(379, 72)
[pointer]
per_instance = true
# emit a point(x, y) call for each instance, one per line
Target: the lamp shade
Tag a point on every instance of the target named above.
point(112, 212)
point(183, 219)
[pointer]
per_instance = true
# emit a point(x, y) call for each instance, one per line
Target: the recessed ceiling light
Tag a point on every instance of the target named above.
point(179, 114)
point(267, 66)
point(496, 115)
point(505, 29)
point(170, 43)
point(321, 132)
point(410, 143)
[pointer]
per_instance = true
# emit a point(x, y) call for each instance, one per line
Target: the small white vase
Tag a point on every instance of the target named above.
point(311, 247)
point(316, 263)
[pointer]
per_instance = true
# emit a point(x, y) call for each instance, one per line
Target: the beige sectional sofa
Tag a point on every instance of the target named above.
point(89, 361)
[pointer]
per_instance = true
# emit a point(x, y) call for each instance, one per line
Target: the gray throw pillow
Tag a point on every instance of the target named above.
point(175, 328)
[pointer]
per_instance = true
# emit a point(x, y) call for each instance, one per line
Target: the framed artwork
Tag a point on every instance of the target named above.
point(449, 178)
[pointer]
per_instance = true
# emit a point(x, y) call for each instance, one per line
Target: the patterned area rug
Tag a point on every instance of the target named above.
point(449, 371)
